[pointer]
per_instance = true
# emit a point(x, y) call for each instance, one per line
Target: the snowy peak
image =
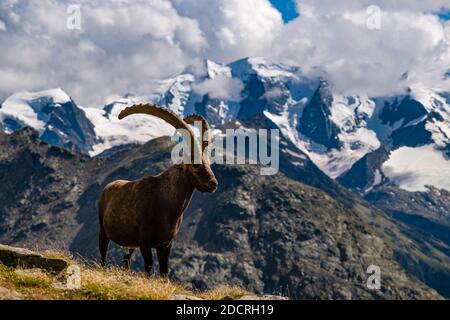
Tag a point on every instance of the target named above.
point(31, 109)
point(242, 90)
point(174, 93)
point(417, 119)
point(416, 127)
point(334, 130)
point(112, 132)
point(316, 123)
point(214, 69)
point(53, 114)
point(263, 68)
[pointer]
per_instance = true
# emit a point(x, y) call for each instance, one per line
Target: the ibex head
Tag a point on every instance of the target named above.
point(201, 174)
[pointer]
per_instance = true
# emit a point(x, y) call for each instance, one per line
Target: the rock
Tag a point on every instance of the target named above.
point(18, 257)
point(185, 297)
point(246, 297)
point(7, 294)
point(262, 297)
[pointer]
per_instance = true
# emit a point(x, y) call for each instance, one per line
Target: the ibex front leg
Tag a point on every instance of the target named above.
point(146, 252)
point(163, 260)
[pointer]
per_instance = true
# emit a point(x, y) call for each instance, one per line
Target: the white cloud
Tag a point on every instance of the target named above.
point(221, 87)
point(122, 46)
point(332, 38)
point(234, 28)
point(125, 45)
point(273, 93)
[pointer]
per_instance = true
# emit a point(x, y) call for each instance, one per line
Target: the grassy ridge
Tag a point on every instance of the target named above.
point(98, 283)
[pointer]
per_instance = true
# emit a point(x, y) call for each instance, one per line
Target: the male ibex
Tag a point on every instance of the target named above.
point(147, 213)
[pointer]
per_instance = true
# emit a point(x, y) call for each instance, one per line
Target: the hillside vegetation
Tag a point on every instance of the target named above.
point(111, 283)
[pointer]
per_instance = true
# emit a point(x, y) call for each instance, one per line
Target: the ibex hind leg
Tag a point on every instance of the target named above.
point(127, 257)
point(103, 243)
point(163, 260)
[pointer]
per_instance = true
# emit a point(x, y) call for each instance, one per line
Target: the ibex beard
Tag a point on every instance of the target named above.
point(147, 213)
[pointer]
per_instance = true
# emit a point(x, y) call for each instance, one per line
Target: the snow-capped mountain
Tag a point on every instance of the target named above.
point(53, 114)
point(331, 128)
point(61, 122)
point(345, 136)
point(414, 133)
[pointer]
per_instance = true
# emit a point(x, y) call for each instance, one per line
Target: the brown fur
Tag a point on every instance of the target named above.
point(147, 213)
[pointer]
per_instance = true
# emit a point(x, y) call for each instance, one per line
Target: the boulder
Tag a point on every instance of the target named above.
point(18, 257)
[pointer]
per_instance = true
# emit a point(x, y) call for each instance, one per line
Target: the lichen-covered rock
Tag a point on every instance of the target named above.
point(19, 257)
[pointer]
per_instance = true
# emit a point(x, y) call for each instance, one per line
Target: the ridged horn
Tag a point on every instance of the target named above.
point(162, 113)
point(205, 127)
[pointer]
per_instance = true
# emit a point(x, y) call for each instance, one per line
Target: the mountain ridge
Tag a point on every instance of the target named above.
point(391, 151)
point(264, 233)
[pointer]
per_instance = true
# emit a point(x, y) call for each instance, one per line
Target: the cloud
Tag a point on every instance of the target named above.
point(221, 87)
point(273, 93)
point(126, 45)
point(234, 28)
point(332, 39)
point(122, 46)
point(331, 6)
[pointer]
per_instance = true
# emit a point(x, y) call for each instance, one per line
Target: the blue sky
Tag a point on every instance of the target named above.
point(287, 8)
point(289, 12)
point(444, 15)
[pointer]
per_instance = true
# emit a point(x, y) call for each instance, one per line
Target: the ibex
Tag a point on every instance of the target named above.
point(147, 213)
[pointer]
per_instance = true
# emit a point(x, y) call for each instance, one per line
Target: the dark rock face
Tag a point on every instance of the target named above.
point(362, 174)
point(69, 128)
point(40, 188)
point(424, 217)
point(406, 111)
point(267, 233)
point(11, 124)
point(411, 136)
point(210, 109)
point(273, 234)
point(427, 215)
point(315, 121)
point(262, 95)
point(66, 125)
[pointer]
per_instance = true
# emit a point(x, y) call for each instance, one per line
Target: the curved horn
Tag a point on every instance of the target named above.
point(205, 128)
point(162, 113)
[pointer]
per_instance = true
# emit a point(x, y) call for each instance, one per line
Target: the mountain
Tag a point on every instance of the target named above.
point(266, 233)
point(316, 123)
point(54, 114)
point(378, 156)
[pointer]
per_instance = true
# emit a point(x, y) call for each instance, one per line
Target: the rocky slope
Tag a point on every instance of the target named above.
point(50, 275)
point(265, 233)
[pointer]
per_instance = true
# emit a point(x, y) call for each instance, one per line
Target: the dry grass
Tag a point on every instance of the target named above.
point(100, 284)
point(223, 292)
